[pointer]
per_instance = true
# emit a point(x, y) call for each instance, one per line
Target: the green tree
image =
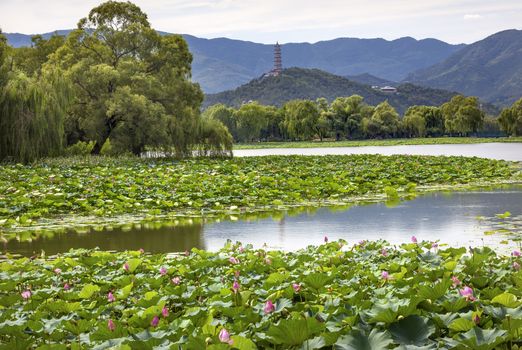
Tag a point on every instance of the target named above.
point(414, 125)
point(115, 58)
point(215, 138)
point(384, 122)
point(301, 119)
point(32, 110)
point(462, 115)
point(347, 114)
point(251, 118)
point(434, 120)
point(31, 59)
point(225, 115)
point(510, 119)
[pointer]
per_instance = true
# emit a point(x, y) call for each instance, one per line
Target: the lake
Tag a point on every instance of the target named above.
point(506, 151)
point(450, 217)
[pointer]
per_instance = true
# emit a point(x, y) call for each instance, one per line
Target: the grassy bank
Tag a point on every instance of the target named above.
point(106, 187)
point(370, 296)
point(388, 142)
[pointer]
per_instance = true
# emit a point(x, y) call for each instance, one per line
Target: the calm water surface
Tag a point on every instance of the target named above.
point(448, 217)
point(505, 151)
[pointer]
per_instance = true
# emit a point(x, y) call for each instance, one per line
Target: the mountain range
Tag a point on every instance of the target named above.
point(490, 68)
point(222, 64)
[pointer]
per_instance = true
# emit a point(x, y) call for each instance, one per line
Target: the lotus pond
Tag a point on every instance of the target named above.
point(371, 295)
point(106, 187)
point(368, 296)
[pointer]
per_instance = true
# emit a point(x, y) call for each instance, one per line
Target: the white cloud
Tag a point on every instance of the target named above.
point(472, 16)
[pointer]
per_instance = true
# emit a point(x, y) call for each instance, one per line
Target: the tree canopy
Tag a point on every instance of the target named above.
point(113, 78)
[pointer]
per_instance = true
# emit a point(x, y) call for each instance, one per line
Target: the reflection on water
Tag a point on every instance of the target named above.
point(449, 217)
point(154, 239)
point(505, 151)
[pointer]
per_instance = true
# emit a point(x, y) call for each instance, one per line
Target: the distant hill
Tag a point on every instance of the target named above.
point(300, 83)
point(371, 80)
point(221, 64)
point(490, 68)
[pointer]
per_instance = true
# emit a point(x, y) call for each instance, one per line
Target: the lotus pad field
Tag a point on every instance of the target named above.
point(106, 187)
point(369, 296)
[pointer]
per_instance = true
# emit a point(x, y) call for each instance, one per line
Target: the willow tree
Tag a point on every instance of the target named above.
point(32, 111)
point(130, 84)
point(510, 119)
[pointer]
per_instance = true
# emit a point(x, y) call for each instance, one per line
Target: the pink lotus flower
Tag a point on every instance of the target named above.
point(516, 265)
point(233, 260)
point(66, 286)
point(516, 253)
point(241, 249)
point(187, 253)
point(111, 325)
point(297, 287)
point(385, 275)
point(176, 280)
point(268, 261)
point(456, 281)
point(325, 239)
point(414, 239)
point(26, 294)
point(467, 292)
point(435, 245)
point(235, 286)
point(384, 252)
point(476, 319)
point(269, 307)
point(155, 321)
point(224, 337)
point(165, 312)
point(110, 297)
point(126, 266)
point(163, 271)
point(57, 271)
point(141, 251)
point(237, 273)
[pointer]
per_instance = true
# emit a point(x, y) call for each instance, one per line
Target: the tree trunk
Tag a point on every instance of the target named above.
point(97, 148)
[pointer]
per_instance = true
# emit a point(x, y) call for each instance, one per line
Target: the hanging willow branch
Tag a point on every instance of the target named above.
point(32, 112)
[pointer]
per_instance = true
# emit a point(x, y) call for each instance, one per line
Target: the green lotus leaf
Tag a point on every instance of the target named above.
point(412, 330)
point(356, 340)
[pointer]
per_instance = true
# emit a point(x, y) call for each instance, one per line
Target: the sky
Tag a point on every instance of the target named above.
point(267, 21)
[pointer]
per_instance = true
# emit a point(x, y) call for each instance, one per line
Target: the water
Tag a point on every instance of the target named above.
point(505, 151)
point(448, 217)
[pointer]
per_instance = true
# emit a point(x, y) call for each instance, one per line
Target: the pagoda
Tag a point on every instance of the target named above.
point(278, 62)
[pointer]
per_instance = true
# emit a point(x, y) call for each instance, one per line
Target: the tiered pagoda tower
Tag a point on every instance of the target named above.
point(278, 63)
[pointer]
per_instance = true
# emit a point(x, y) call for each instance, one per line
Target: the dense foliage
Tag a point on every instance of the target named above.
point(108, 187)
point(114, 78)
point(510, 119)
point(370, 296)
point(351, 118)
point(32, 110)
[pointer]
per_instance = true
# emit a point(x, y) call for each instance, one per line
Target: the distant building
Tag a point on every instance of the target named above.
point(389, 89)
point(278, 63)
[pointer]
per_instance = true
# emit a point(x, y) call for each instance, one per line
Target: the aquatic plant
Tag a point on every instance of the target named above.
point(320, 297)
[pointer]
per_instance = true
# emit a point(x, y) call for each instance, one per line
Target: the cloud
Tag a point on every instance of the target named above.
point(286, 20)
point(472, 16)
